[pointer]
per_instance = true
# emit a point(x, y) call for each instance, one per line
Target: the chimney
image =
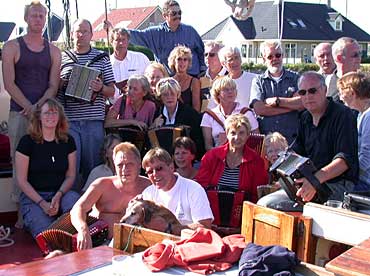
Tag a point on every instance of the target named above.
point(329, 4)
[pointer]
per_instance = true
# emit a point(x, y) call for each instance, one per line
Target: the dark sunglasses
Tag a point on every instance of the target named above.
point(270, 57)
point(174, 13)
point(210, 54)
point(303, 92)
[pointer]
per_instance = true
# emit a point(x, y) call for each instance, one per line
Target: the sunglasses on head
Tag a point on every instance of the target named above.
point(303, 92)
point(174, 13)
point(270, 57)
point(210, 54)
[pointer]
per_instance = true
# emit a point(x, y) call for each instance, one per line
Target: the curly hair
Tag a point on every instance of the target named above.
point(179, 51)
point(35, 127)
point(220, 84)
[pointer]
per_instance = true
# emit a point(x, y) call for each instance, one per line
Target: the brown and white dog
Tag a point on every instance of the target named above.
point(150, 215)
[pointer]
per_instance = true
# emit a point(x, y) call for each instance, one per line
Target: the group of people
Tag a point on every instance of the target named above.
point(59, 158)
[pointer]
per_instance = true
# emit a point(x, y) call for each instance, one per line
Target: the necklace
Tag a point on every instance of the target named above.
point(233, 160)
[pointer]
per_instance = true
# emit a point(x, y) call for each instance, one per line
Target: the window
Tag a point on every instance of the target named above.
point(338, 24)
point(290, 50)
point(243, 50)
point(292, 23)
point(313, 46)
point(301, 23)
point(250, 51)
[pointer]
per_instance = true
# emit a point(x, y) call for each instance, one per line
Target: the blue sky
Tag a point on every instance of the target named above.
point(202, 14)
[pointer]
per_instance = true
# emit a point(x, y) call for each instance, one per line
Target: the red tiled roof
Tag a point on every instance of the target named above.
point(133, 17)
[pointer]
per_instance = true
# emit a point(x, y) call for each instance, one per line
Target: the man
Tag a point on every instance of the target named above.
point(125, 63)
point(163, 38)
point(347, 57)
point(324, 59)
point(214, 70)
point(231, 60)
point(31, 68)
point(86, 118)
point(109, 196)
point(185, 198)
point(327, 134)
point(273, 95)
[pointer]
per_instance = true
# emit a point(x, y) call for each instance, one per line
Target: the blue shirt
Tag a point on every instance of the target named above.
point(263, 87)
point(161, 40)
point(363, 125)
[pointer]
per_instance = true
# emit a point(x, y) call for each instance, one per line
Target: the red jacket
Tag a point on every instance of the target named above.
point(252, 170)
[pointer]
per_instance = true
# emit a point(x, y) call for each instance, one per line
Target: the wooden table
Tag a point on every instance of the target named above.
point(66, 264)
point(355, 261)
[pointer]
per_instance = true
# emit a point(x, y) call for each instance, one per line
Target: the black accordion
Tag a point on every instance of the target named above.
point(62, 235)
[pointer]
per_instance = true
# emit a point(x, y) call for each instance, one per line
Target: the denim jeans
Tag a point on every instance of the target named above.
point(35, 220)
point(89, 139)
point(17, 128)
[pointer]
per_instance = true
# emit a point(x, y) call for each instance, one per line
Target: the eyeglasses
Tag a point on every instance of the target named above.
point(174, 13)
point(167, 81)
point(270, 57)
point(312, 91)
point(209, 54)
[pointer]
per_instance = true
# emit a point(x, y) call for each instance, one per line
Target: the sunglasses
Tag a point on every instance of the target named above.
point(174, 13)
point(270, 57)
point(210, 54)
point(312, 91)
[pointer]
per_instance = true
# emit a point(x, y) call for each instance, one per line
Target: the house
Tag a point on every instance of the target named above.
point(301, 26)
point(131, 18)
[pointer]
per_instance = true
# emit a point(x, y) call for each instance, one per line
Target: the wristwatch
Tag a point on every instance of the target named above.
point(277, 102)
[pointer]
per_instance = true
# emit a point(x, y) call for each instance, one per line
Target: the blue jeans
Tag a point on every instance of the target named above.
point(89, 139)
point(34, 217)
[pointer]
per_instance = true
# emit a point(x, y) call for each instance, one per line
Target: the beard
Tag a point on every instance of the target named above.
point(275, 69)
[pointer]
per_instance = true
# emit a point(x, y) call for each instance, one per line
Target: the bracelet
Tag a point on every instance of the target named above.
point(61, 192)
point(39, 202)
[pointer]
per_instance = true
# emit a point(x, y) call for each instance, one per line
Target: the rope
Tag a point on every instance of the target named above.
point(129, 237)
point(4, 237)
point(66, 15)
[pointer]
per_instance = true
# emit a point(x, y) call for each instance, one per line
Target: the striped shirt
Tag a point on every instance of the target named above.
point(229, 181)
point(77, 110)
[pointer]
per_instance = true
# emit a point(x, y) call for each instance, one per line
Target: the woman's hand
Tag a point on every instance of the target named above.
point(55, 203)
point(143, 126)
point(46, 207)
point(158, 122)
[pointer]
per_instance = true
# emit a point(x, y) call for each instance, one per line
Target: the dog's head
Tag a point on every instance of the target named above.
point(138, 212)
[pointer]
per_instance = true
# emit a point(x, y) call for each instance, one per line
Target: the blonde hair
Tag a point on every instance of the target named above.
point(220, 84)
point(127, 147)
point(156, 66)
point(179, 51)
point(35, 127)
point(236, 121)
point(356, 81)
point(167, 84)
point(274, 138)
point(159, 154)
point(34, 3)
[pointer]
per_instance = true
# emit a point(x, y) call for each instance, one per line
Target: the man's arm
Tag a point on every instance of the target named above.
point(54, 75)
point(264, 109)
point(293, 103)
point(79, 213)
point(206, 223)
point(10, 55)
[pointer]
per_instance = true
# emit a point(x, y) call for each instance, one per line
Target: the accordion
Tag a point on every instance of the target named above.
point(79, 83)
point(291, 166)
point(226, 207)
point(357, 201)
point(164, 137)
point(130, 134)
point(62, 235)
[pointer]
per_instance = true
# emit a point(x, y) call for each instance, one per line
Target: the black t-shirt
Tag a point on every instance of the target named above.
point(48, 162)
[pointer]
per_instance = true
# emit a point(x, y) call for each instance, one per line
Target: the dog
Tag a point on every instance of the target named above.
point(241, 9)
point(150, 215)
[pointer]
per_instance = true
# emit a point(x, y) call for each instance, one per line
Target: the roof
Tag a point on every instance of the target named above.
point(6, 29)
point(302, 21)
point(130, 18)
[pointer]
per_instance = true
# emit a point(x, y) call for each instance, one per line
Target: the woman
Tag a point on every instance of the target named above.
point(234, 166)
point(106, 169)
point(174, 112)
point(184, 152)
point(135, 109)
point(224, 92)
point(45, 163)
point(154, 72)
point(354, 90)
point(179, 62)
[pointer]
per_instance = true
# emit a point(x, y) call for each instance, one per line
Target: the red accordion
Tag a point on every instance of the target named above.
point(62, 235)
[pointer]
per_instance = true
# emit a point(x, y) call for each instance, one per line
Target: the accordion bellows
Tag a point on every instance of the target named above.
point(61, 234)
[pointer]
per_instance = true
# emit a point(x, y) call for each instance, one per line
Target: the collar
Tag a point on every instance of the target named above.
point(170, 121)
point(266, 74)
point(167, 28)
point(223, 149)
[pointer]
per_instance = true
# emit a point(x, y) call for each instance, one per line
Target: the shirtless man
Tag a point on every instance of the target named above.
point(108, 197)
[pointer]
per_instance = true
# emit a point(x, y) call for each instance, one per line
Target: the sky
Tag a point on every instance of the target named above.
point(201, 14)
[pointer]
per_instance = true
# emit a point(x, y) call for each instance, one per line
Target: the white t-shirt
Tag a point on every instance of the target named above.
point(133, 64)
point(208, 121)
point(187, 200)
point(243, 88)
